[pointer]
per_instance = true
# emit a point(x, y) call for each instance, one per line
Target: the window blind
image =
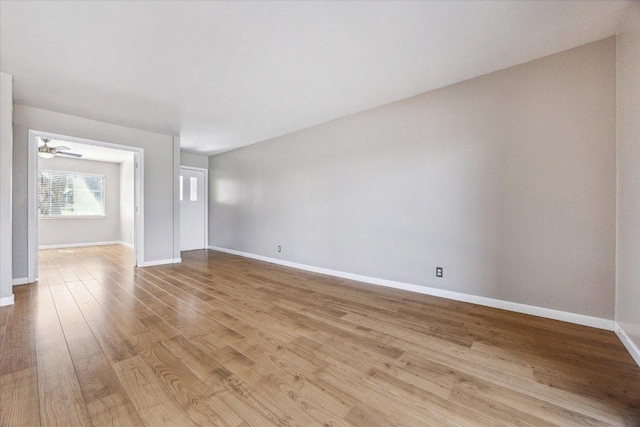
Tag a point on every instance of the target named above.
point(70, 194)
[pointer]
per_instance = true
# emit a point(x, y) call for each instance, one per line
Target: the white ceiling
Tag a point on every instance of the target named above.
point(92, 152)
point(227, 74)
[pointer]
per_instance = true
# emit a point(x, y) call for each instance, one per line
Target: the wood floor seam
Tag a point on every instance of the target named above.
point(227, 341)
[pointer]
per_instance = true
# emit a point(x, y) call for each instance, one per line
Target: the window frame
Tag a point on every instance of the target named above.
point(76, 216)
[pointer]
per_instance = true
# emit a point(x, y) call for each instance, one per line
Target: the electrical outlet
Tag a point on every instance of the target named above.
point(279, 248)
point(439, 271)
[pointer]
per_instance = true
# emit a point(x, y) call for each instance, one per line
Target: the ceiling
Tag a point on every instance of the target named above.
point(227, 74)
point(91, 152)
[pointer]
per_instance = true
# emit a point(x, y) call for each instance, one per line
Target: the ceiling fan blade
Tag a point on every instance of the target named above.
point(62, 153)
point(61, 148)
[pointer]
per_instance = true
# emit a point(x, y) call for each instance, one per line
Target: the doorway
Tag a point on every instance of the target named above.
point(193, 208)
point(81, 201)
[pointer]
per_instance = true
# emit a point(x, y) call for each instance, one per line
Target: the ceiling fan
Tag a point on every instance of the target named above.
point(47, 152)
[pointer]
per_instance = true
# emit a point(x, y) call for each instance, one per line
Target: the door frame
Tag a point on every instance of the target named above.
point(32, 193)
point(206, 203)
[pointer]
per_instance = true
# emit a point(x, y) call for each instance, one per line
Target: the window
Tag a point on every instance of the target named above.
point(63, 194)
point(194, 189)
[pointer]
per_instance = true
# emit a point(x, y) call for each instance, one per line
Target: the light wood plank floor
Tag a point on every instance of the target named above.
point(222, 340)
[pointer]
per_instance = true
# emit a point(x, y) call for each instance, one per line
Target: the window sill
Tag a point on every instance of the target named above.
point(73, 217)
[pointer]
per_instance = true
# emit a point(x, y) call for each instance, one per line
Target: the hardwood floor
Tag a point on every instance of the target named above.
point(223, 340)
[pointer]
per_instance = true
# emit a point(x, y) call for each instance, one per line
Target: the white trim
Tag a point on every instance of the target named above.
point(631, 347)
point(7, 301)
point(138, 197)
point(32, 215)
point(129, 245)
point(161, 262)
point(20, 281)
point(79, 245)
point(194, 168)
point(70, 217)
point(580, 319)
point(32, 205)
point(206, 203)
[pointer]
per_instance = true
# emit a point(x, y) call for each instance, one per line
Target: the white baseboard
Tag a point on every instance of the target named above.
point(631, 347)
point(580, 319)
point(7, 301)
point(79, 245)
point(161, 262)
point(129, 245)
point(20, 281)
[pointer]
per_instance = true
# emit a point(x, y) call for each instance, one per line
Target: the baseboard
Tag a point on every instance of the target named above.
point(7, 301)
point(129, 245)
point(580, 319)
point(79, 245)
point(631, 347)
point(161, 262)
point(20, 281)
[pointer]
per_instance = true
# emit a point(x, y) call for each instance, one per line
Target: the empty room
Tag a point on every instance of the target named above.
point(301, 213)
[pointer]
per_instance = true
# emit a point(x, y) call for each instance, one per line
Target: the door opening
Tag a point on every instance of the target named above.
point(81, 195)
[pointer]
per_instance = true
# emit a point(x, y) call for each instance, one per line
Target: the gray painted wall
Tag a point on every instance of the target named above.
point(6, 148)
point(176, 198)
point(127, 200)
point(508, 181)
point(159, 157)
point(194, 160)
point(628, 250)
point(60, 231)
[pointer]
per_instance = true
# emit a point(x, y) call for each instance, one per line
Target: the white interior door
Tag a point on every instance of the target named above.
point(193, 209)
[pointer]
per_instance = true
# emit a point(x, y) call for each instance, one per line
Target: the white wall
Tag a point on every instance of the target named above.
point(59, 231)
point(127, 200)
point(6, 148)
point(507, 181)
point(628, 213)
point(194, 160)
point(159, 175)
